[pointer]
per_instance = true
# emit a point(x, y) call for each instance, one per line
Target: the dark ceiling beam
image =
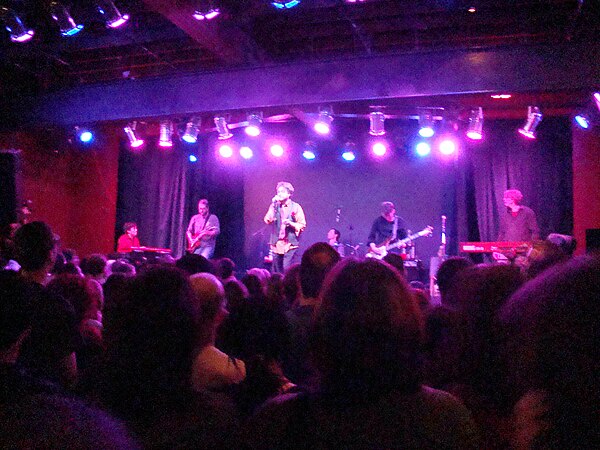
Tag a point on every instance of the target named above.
point(374, 79)
point(232, 45)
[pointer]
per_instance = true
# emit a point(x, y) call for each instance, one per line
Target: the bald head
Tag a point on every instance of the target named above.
point(208, 294)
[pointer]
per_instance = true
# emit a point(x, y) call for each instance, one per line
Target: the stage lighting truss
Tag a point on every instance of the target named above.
point(17, 30)
point(284, 4)
point(130, 132)
point(206, 10)
point(254, 122)
point(534, 117)
point(475, 127)
point(112, 16)
point(192, 128)
point(62, 17)
point(222, 128)
point(376, 123)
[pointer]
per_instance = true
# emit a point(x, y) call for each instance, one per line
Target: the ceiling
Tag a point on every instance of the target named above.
point(163, 40)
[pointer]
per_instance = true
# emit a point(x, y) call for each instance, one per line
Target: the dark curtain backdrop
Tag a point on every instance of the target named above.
point(540, 169)
point(152, 192)
point(160, 190)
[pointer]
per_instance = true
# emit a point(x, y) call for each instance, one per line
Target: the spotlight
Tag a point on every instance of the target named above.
point(447, 147)
point(254, 123)
point(583, 121)
point(206, 10)
point(112, 16)
point(225, 151)
point(84, 135)
point(534, 117)
point(190, 135)
point(426, 123)
point(165, 136)
point(246, 152)
point(475, 129)
point(597, 99)
point(285, 4)
point(134, 141)
point(423, 149)
point(348, 153)
point(277, 150)
point(222, 128)
point(63, 18)
point(323, 123)
point(310, 151)
point(192, 158)
point(379, 149)
point(15, 26)
point(376, 124)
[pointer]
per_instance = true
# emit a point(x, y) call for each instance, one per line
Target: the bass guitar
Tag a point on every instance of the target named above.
point(196, 240)
point(381, 251)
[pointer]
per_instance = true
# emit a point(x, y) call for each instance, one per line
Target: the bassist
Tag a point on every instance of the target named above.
point(202, 231)
point(387, 228)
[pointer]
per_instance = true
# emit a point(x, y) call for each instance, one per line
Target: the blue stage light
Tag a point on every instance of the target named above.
point(193, 158)
point(423, 149)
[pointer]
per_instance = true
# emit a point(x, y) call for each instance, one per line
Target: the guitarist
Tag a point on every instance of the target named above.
point(202, 231)
point(386, 229)
point(287, 221)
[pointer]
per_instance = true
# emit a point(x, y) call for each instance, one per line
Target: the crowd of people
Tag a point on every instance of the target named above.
point(333, 353)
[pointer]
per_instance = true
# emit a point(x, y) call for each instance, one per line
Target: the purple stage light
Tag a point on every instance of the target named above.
point(379, 149)
point(225, 151)
point(246, 152)
point(447, 147)
point(277, 150)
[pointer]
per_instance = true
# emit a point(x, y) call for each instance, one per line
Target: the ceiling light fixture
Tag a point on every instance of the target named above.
point(254, 123)
point(134, 141)
point(475, 127)
point(376, 123)
point(112, 16)
point(222, 128)
point(426, 122)
point(534, 117)
point(206, 10)
point(192, 128)
point(62, 17)
point(323, 123)
point(285, 4)
point(14, 25)
point(165, 136)
point(349, 151)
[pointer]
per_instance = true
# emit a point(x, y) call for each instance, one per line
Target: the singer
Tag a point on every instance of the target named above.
point(386, 229)
point(288, 221)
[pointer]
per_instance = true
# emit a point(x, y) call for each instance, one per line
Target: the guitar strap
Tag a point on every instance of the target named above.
point(395, 229)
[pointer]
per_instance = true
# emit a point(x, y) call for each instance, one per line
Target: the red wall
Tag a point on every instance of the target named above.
point(73, 190)
point(586, 183)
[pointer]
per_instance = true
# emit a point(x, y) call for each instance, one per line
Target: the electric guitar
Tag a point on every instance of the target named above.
point(196, 240)
point(381, 251)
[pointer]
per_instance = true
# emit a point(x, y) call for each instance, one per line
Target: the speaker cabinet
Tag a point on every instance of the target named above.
point(10, 185)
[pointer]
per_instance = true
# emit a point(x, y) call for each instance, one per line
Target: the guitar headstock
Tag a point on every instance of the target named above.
point(428, 231)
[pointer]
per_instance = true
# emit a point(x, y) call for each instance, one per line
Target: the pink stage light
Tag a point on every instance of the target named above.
point(322, 128)
point(447, 147)
point(225, 151)
point(379, 149)
point(527, 134)
point(246, 152)
point(277, 150)
point(252, 130)
point(475, 135)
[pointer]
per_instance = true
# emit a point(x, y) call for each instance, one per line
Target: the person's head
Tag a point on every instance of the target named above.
point(512, 197)
point(16, 309)
point(291, 284)
point(388, 210)
point(553, 327)
point(396, 261)
point(317, 261)
point(449, 269)
point(284, 190)
point(367, 330)
point(236, 293)
point(35, 246)
point(94, 266)
point(130, 228)
point(85, 297)
point(225, 268)
point(209, 296)
point(203, 207)
point(257, 290)
point(193, 263)
point(333, 235)
point(122, 266)
point(150, 343)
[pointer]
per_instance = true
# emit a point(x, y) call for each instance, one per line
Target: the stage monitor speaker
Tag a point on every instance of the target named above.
point(592, 240)
point(10, 185)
